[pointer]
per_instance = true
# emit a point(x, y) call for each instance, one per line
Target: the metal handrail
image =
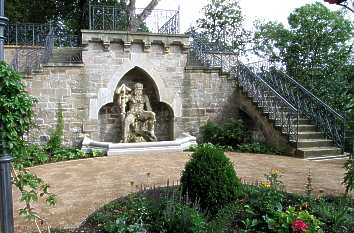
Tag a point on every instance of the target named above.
point(171, 26)
point(325, 117)
point(312, 95)
point(257, 88)
point(109, 17)
point(260, 91)
point(271, 88)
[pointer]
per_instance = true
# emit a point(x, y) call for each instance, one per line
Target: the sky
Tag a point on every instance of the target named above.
point(279, 10)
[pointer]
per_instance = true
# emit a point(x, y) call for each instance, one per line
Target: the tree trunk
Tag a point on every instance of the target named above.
point(136, 20)
point(132, 24)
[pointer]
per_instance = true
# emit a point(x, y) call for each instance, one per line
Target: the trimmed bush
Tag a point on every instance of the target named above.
point(210, 179)
point(232, 133)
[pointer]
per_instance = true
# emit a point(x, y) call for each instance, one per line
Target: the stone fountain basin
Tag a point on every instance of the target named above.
point(180, 144)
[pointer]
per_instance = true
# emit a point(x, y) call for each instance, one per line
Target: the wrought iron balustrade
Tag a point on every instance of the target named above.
point(211, 55)
point(114, 18)
point(326, 118)
point(26, 34)
point(171, 26)
point(285, 115)
point(28, 59)
point(30, 34)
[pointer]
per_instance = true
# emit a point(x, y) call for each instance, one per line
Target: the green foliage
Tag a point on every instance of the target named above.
point(258, 148)
point(30, 155)
point(282, 220)
point(179, 217)
point(349, 175)
point(316, 50)
point(151, 211)
point(221, 25)
point(337, 215)
point(232, 133)
point(224, 220)
point(56, 137)
point(209, 178)
point(257, 209)
point(28, 11)
point(74, 14)
point(15, 108)
point(16, 119)
point(233, 136)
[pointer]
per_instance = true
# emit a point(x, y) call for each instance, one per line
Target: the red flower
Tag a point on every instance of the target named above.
point(299, 226)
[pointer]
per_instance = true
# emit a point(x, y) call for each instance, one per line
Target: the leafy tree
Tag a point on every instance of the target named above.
point(74, 13)
point(316, 50)
point(28, 11)
point(221, 25)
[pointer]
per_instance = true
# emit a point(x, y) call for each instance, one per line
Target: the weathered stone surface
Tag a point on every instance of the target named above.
point(183, 98)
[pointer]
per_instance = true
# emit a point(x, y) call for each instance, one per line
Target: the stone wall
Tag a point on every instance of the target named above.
point(112, 59)
point(60, 84)
point(207, 95)
point(210, 95)
point(183, 98)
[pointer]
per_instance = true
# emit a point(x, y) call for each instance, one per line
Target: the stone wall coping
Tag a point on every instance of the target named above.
point(197, 69)
point(84, 31)
point(127, 38)
point(64, 65)
point(22, 47)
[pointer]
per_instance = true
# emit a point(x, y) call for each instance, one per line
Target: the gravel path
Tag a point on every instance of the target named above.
point(82, 186)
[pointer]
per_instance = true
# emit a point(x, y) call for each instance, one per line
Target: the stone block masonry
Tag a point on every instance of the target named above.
point(183, 98)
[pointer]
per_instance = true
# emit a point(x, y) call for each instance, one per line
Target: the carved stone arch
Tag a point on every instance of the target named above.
point(106, 95)
point(110, 118)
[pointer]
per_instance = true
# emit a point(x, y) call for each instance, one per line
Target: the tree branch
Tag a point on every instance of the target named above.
point(346, 6)
point(148, 9)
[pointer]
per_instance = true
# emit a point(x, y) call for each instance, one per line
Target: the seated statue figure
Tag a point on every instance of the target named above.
point(139, 119)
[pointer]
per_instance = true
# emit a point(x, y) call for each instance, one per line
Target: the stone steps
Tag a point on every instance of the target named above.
point(328, 157)
point(306, 143)
point(312, 143)
point(312, 152)
point(311, 135)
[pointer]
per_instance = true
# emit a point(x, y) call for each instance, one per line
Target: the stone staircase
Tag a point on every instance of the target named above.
point(311, 127)
point(311, 143)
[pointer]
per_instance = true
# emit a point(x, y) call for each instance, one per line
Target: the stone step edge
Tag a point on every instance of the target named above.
point(329, 157)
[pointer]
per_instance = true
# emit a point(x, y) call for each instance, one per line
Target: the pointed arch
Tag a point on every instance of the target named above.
point(106, 95)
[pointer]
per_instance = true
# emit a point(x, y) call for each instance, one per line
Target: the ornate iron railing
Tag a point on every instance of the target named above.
point(326, 118)
point(211, 55)
point(285, 115)
point(31, 34)
point(114, 18)
point(26, 34)
point(171, 26)
point(27, 59)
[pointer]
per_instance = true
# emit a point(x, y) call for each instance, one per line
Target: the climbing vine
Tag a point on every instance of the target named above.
point(16, 118)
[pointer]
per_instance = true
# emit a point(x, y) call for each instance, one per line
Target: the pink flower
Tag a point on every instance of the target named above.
point(299, 226)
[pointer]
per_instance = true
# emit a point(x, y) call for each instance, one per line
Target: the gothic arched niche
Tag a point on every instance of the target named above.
point(110, 118)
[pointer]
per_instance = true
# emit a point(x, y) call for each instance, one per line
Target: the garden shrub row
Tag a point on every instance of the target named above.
point(212, 199)
point(233, 135)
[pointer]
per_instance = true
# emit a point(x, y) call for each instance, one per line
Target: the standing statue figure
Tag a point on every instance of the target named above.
point(138, 117)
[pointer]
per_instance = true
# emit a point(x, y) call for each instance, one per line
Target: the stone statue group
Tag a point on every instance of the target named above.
point(137, 116)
